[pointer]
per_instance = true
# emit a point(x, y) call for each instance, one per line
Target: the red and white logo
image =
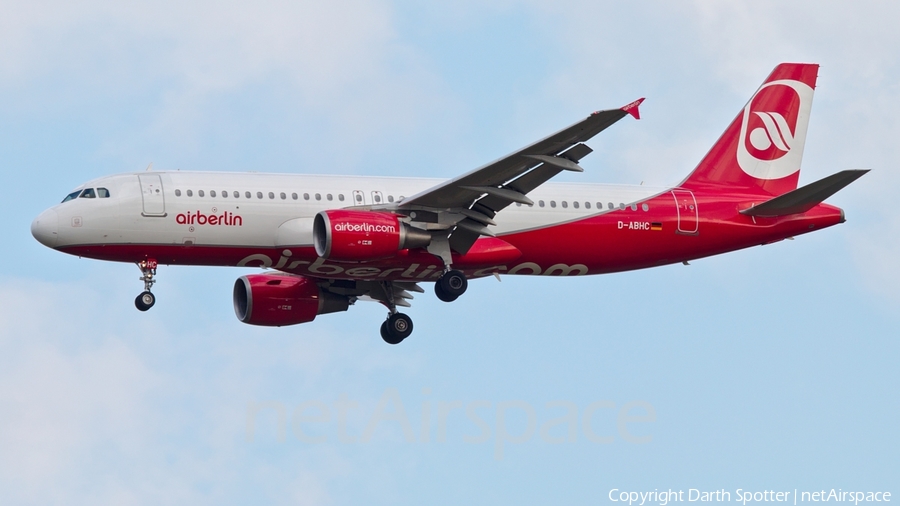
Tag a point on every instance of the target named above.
point(773, 129)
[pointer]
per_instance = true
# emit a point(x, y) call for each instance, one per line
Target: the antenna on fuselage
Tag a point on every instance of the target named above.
point(150, 167)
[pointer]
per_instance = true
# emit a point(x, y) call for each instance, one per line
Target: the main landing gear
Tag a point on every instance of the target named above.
point(398, 326)
point(451, 285)
point(146, 299)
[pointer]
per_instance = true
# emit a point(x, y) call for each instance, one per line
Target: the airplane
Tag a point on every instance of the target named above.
point(325, 242)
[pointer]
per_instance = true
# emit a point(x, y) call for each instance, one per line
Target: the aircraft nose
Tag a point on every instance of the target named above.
point(44, 228)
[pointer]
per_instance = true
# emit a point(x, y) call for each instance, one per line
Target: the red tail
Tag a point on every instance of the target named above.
point(760, 151)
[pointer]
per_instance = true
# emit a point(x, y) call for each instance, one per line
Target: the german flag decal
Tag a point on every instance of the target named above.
point(656, 226)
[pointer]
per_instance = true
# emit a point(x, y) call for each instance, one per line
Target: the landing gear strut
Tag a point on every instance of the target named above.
point(451, 285)
point(146, 299)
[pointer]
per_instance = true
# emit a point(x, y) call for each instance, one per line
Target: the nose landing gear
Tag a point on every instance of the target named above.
point(146, 299)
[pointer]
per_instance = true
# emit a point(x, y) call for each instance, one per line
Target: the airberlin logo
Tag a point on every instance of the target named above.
point(774, 132)
point(197, 218)
point(773, 129)
point(363, 227)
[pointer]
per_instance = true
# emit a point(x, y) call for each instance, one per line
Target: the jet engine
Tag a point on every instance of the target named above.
point(357, 236)
point(273, 300)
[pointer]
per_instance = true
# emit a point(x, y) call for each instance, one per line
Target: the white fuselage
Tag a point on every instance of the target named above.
point(251, 209)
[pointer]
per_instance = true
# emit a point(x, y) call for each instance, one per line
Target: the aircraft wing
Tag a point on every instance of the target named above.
point(467, 204)
point(508, 179)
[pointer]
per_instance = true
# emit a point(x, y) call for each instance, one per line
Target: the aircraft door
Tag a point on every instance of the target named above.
point(377, 198)
point(686, 206)
point(152, 195)
point(359, 198)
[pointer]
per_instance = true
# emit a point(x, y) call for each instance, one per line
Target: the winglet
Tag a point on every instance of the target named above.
point(632, 108)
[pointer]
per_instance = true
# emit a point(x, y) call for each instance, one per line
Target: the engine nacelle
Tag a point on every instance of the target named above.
point(273, 300)
point(357, 236)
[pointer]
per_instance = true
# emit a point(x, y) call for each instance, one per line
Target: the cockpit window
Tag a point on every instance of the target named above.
point(103, 193)
point(73, 195)
point(88, 193)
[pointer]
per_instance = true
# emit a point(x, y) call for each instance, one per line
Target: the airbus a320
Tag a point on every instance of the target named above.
point(325, 242)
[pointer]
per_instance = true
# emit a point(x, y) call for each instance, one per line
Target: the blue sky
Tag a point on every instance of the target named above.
point(769, 368)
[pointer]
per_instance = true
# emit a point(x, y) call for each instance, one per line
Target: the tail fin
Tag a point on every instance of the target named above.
point(760, 151)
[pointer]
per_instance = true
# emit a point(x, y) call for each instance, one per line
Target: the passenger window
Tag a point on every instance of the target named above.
point(248, 195)
point(224, 194)
point(518, 204)
point(73, 195)
point(587, 205)
point(359, 198)
point(329, 197)
point(88, 193)
point(552, 203)
point(236, 194)
point(318, 196)
point(611, 206)
point(565, 204)
point(341, 197)
point(190, 193)
point(390, 198)
point(199, 193)
point(271, 195)
point(634, 207)
point(540, 203)
point(621, 206)
point(177, 193)
point(645, 207)
point(103, 193)
point(377, 198)
point(259, 195)
point(283, 196)
point(575, 204)
point(294, 196)
point(212, 193)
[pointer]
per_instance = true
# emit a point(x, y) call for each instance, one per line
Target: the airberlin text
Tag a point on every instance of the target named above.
point(198, 218)
point(363, 227)
point(322, 268)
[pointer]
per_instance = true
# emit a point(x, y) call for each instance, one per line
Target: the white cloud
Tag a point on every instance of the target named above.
point(97, 408)
point(68, 395)
point(193, 75)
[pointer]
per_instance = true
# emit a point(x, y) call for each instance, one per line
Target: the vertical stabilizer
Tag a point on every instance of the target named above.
point(760, 151)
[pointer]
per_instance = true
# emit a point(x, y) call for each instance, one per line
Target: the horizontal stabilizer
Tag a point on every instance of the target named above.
point(805, 198)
